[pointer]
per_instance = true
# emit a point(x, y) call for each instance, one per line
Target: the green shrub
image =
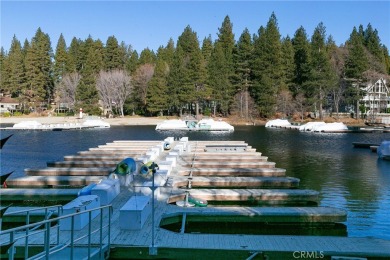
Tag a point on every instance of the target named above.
point(6, 114)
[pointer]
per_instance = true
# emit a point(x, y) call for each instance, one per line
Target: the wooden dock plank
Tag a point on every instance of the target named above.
point(263, 182)
point(264, 172)
point(228, 164)
point(98, 157)
point(48, 181)
point(72, 171)
point(84, 164)
point(251, 194)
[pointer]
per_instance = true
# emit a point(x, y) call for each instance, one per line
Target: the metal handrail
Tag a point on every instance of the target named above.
point(48, 251)
point(27, 221)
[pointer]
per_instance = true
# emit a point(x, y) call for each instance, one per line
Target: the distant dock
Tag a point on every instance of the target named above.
point(218, 171)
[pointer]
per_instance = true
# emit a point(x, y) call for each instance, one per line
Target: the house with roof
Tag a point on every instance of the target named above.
point(376, 97)
point(8, 104)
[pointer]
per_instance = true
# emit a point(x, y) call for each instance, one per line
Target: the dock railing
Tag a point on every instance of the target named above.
point(48, 212)
point(29, 230)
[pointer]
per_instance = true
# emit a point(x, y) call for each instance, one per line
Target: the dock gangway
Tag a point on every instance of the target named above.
point(58, 244)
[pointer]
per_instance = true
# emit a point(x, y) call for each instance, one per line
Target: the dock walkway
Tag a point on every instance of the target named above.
point(269, 184)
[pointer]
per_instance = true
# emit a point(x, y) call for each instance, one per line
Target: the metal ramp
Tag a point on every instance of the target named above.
point(92, 242)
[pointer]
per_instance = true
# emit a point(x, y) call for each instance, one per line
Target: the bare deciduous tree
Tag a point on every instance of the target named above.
point(142, 76)
point(300, 104)
point(114, 88)
point(284, 102)
point(66, 89)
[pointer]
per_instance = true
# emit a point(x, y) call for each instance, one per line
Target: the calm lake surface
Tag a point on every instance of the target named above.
point(349, 178)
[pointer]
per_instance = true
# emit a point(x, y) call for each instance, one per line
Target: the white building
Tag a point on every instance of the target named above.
point(8, 104)
point(376, 97)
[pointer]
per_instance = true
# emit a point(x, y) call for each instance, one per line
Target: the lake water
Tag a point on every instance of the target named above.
point(349, 178)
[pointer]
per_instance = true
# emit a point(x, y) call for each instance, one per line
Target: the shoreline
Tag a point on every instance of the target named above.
point(72, 119)
point(139, 120)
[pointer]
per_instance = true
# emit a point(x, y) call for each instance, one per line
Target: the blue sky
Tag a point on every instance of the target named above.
point(151, 24)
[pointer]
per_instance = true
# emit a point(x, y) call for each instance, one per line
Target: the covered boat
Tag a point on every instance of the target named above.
point(191, 125)
point(310, 126)
point(331, 127)
point(383, 150)
point(278, 123)
point(173, 124)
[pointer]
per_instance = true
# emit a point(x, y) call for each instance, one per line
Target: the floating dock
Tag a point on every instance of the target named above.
point(231, 172)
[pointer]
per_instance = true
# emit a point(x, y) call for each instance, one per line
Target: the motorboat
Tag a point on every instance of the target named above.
point(192, 125)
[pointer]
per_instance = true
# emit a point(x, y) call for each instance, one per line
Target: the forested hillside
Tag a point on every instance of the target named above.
point(248, 75)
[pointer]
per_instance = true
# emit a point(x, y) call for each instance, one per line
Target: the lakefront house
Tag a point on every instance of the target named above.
point(376, 97)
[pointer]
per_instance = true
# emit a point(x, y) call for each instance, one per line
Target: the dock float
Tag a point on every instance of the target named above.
point(363, 145)
point(18, 194)
point(217, 175)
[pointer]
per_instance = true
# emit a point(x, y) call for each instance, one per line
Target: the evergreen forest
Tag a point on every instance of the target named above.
point(256, 75)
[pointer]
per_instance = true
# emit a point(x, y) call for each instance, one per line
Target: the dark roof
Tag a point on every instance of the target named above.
point(8, 100)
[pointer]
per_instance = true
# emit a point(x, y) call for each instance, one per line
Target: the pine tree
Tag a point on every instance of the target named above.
point(218, 79)
point(207, 48)
point(60, 60)
point(319, 81)
point(357, 61)
point(336, 60)
point(373, 43)
point(188, 71)
point(39, 69)
point(132, 60)
point(4, 70)
point(288, 65)
point(113, 56)
point(386, 58)
point(301, 59)
point(267, 67)
point(242, 80)
point(157, 94)
point(226, 43)
point(147, 57)
point(86, 93)
point(16, 69)
point(167, 53)
point(74, 53)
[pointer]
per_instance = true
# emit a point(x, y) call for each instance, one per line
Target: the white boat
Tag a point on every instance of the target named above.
point(173, 124)
point(191, 125)
point(383, 150)
point(35, 125)
point(331, 127)
point(310, 126)
point(278, 123)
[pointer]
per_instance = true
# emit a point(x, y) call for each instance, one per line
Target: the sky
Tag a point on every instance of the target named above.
point(150, 24)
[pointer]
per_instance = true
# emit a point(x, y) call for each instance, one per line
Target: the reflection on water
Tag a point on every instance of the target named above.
point(346, 177)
